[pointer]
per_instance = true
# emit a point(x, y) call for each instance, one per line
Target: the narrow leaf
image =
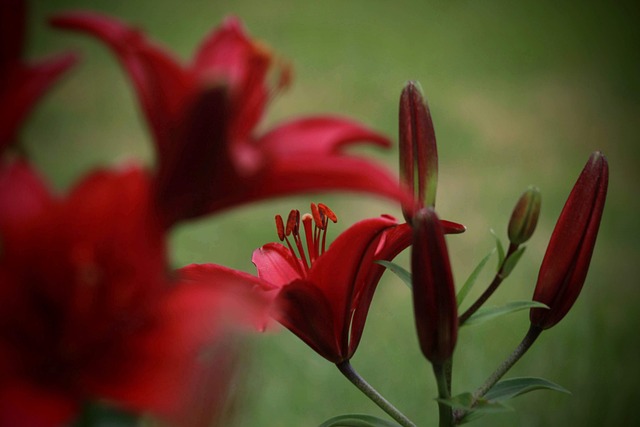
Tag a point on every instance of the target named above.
point(488, 313)
point(511, 262)
point(464, 402)
point(358, 420)
point(499, 247)
point(472, 278)
point(398, 270)
point(508, 389)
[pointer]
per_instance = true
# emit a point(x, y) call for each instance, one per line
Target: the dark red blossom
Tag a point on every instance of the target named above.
point(566, 262)
point(326, 292)
point(228, 163)
point(434, 297)
point(90, 307)
point(22, 82)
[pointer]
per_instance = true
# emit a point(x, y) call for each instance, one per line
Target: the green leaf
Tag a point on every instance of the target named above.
point(508, 389)
point(358, 420)
point(488, 313)
point(398, 270)
point(464, 402)
point(97, 414)
point(499, 247)
point(511, 261)
point(472, 278)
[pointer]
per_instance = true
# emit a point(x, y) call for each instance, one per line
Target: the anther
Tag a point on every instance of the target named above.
point(280, 227)
point(293, 222)
point(317, 216)
point(327, 212)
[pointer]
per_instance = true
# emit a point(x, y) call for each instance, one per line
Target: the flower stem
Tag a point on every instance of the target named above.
point(497, 280)
point(528, 340)
point(440, 371)
point(362, 385)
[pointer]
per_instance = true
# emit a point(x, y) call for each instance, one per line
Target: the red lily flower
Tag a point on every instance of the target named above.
point(21, 83)
point(566, 262)
point(90, 309)
point(325, 294)
point(434, 296)
point(228, 164)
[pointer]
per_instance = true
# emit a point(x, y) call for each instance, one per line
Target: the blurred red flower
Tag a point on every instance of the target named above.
point(90, 307)
point(217, 161)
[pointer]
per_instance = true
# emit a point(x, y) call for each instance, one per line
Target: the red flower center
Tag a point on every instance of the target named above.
point(315, 230)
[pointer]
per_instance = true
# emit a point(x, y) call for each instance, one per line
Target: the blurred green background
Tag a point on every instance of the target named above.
point(521, 93)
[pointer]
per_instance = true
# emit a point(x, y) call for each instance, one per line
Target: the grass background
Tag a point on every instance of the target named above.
point(521, 93)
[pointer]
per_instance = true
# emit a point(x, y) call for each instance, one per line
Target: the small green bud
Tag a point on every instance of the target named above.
point(525, 216)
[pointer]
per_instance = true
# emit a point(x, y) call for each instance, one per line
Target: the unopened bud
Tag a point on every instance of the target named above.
point(566, 261)
point(434, 297)
point(418, 151)
point(525, 216)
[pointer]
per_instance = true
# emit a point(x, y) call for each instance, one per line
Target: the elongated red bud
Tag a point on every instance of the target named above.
point(566, 262)
point(525, 216)
point(434, 298)
point(418, 151)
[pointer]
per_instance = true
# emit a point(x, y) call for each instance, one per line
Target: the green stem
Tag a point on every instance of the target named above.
point(526, 343)
point(362, 385)
point(444, 392)
point(497, 280)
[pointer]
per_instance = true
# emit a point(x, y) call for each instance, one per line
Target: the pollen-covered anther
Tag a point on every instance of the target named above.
point(280, 227)
point(293, 222)
point(328, 213)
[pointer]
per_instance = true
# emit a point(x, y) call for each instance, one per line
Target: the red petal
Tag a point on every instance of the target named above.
point(194, 337)
point(22, 87)
point(162, 85)
point(276, 265)
point(198, 166)
point(299, 174)
point(394, 240)
point(228, 53)
point(23, 404)
point(335, 272)
point(23, 196)
point(318, 135)
point(305, 310)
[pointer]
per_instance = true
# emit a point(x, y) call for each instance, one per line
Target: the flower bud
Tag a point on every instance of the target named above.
point(434, 299)
point(566, 262)
point(525, 216)
point(418, 151)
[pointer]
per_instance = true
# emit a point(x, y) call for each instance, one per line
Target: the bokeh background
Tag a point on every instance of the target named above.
point(521, 93)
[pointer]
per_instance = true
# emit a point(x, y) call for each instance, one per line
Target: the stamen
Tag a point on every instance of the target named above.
point(328, 212)
point(293, 222)
point(315, 231)
point(317, 217)
point(280, 227)
point(293, 228)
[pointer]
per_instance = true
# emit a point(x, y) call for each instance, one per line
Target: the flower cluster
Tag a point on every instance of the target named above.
point(91, 307)
point(93, 310)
